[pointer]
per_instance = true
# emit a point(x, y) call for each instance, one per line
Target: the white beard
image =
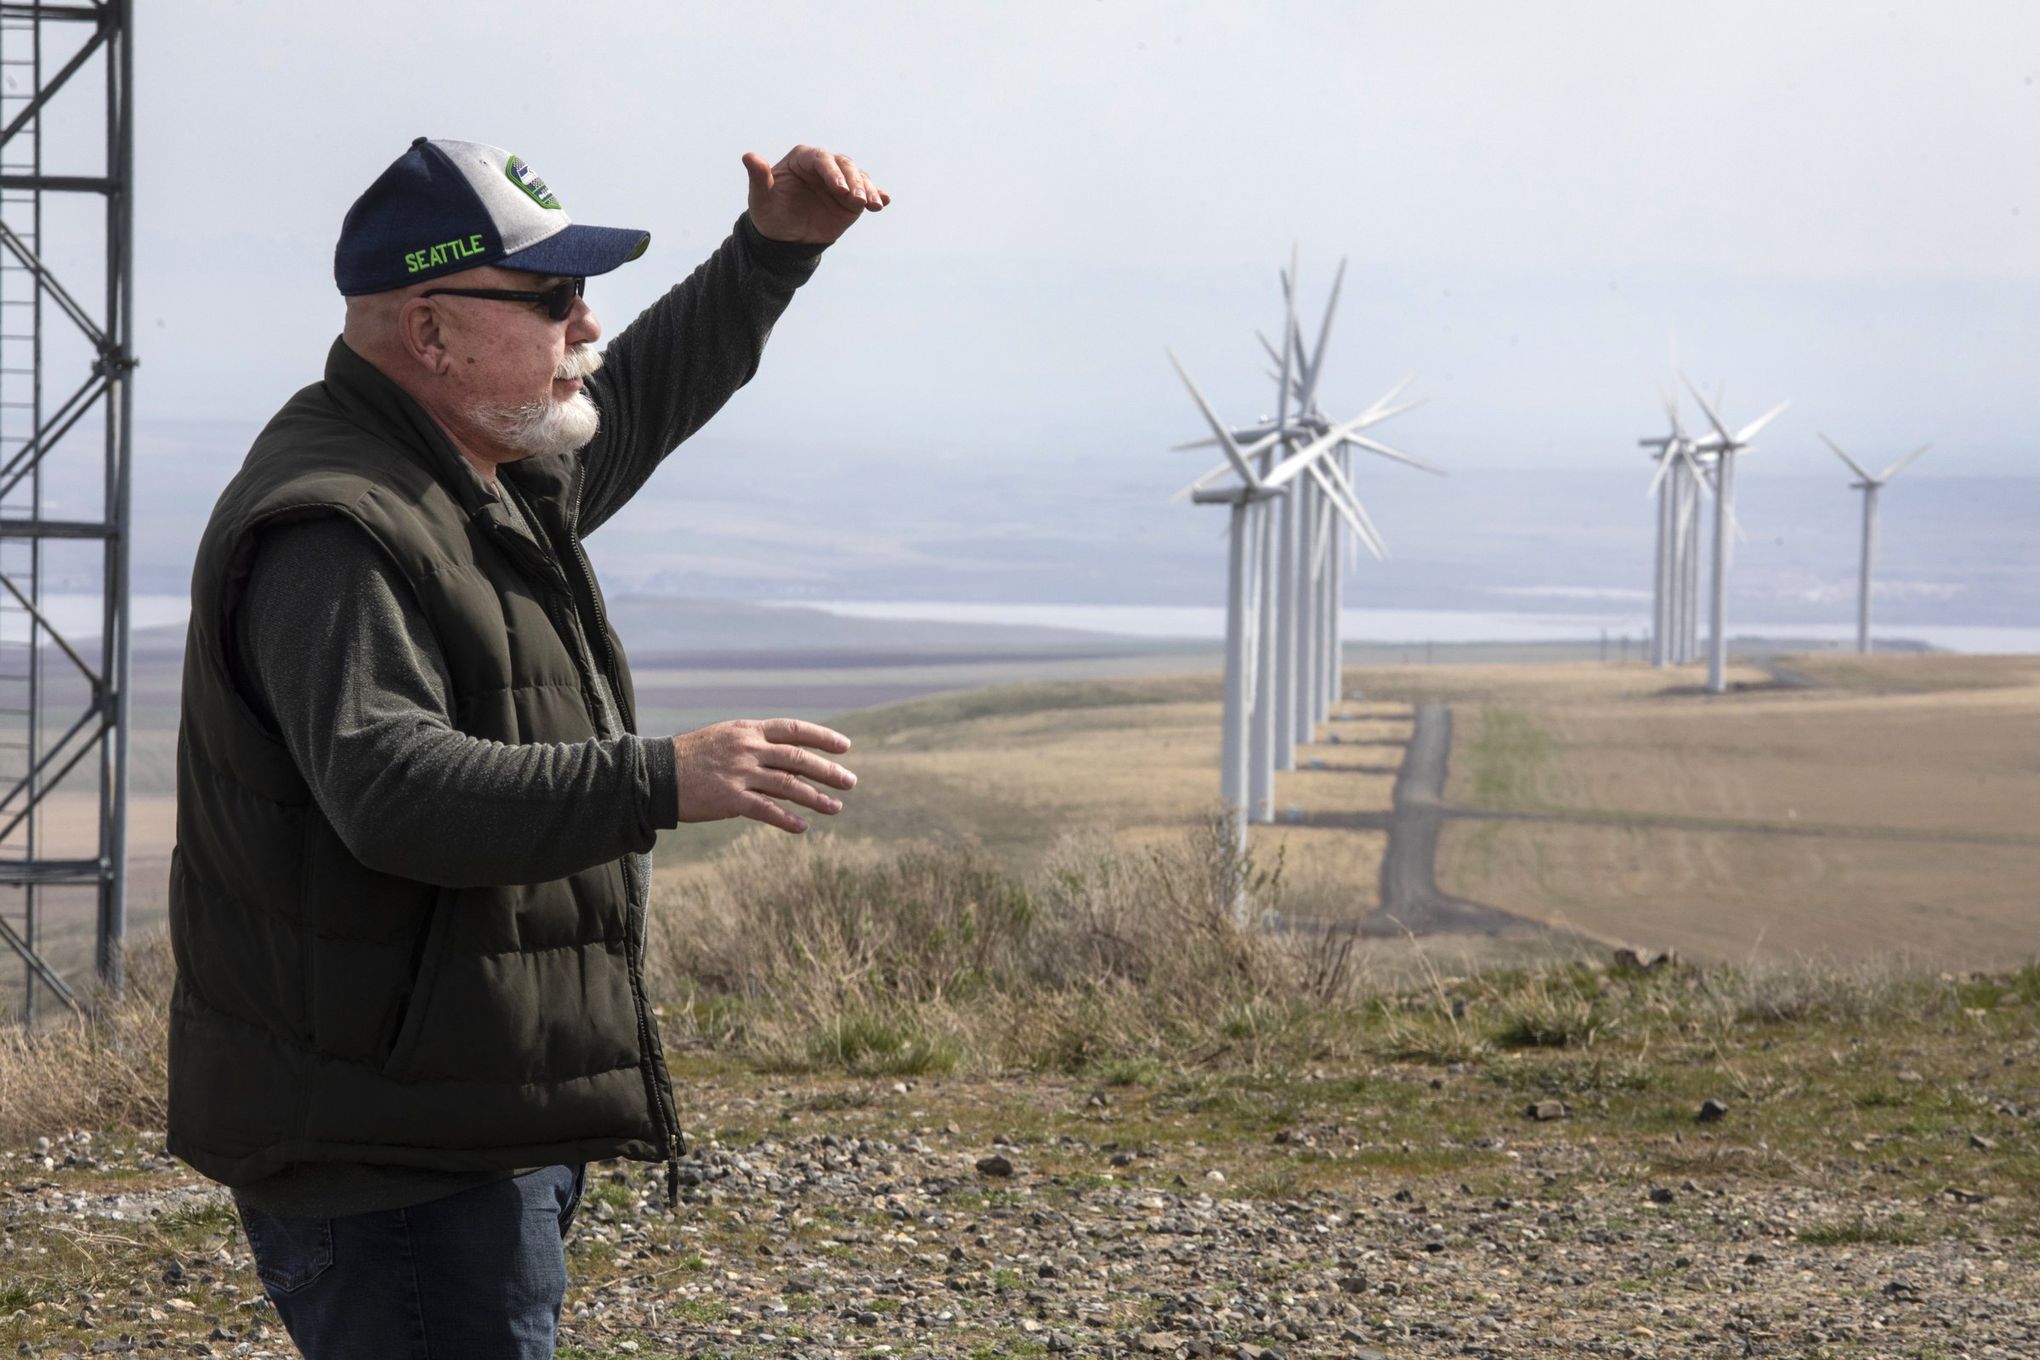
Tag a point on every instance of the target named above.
point(542, 428)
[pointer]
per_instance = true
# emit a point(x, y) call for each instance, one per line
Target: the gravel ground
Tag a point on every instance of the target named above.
point(916, 1239)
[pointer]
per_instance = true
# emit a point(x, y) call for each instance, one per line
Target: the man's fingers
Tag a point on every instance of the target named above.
point(854, 184)
point(759, 171)
point(764, 810)
point(794, 790)
point(799, 760)
point(828, 172)
point(795, 732)
point(834, 175)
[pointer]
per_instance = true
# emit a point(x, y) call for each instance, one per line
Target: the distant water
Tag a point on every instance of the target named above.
point(1405, 625)
point(79, 616)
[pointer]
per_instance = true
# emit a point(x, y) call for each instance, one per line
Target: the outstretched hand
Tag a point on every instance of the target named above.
point(736, 769)
point(812, 195)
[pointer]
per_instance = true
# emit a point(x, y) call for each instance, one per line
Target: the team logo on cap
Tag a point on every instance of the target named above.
point(526, 178)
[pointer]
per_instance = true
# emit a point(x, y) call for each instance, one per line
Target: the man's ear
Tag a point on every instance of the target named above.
point(419, 335)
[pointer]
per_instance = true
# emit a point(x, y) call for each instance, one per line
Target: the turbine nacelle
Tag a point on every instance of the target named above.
point(1868, 482)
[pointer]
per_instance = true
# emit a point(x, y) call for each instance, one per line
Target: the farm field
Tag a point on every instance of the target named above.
point(1852, 809)
point(1885, 805)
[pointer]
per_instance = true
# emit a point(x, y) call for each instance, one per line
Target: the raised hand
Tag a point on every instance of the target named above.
point(812, 195)
point(736, 769)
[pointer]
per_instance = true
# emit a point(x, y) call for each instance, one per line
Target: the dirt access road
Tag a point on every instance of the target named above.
point(1412, 903)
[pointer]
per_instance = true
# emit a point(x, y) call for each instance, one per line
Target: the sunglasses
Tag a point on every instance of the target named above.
point(558, 299)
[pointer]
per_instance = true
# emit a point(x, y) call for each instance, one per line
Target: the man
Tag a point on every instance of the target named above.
point(409, 892)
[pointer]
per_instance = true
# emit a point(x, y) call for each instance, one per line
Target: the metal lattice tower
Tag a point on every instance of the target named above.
point(64, 372)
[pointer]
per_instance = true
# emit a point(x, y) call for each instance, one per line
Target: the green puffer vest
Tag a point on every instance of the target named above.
point(327, 1010)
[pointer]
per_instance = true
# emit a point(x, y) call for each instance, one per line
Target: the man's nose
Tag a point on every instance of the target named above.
point(582, 327)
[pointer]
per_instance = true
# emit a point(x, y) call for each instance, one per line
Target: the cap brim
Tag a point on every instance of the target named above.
point(577, 251)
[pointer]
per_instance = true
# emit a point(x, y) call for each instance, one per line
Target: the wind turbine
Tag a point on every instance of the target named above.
point(1282, 651)
point(1677, 484)
point(1311, 647)
point(1869, 486)
point(1296, 651)
point(1725, 447)
point(1248, 501)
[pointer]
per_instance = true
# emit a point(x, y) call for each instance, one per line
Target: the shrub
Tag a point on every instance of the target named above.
point(100, 1069)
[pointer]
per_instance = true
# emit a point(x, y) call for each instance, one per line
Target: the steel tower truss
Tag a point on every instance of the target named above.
point(64, 371)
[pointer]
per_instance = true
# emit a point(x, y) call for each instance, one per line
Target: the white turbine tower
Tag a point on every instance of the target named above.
point(1725, 447)
point(1869, 486)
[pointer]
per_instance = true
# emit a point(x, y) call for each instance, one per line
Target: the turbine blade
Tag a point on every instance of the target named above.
point(1390, 413)
point(1385, 402)
point(1854, 466)
point(1392, 393)
point(1331, 504)
point(1268, 348)
point(1306, 366)
point(1289, 467)
point(1317, 356)
point(1893, 470)
point(1333, 478)
point(1293, 276)
point(1664, 467)
point(1376, 446)
point(1695, 471)
point(1232, 450)
point(1712, 418)
point(1749, 431)
point(1203, 481)
point(1289, 359)
point(1260, 435)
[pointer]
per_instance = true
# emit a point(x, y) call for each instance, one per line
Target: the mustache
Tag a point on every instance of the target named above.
point(582, 361)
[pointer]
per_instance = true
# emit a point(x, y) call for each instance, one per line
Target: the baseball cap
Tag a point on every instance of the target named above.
point(445, 206)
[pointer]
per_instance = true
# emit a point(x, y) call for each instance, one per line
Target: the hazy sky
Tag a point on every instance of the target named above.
point(1829, 202)
point(1833, 202)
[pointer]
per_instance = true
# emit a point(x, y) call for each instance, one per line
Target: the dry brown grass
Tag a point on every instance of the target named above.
point(1960, 762)
point(1734, 895)
point(103, 1069)
point(1892, 814)
point(1566, 682)
point(922, 956)
point(1920, 673)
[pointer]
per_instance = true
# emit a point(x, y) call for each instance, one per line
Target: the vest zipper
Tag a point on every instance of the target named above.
point(657, 1093)
point(656, 1088)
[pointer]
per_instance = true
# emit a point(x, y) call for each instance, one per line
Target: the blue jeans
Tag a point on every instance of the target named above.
point(480, 1273)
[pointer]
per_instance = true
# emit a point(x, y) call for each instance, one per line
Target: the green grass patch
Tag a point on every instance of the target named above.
point(1506, 759)
point(199, 1220)
point(1897, 1230)
point(880, 1046)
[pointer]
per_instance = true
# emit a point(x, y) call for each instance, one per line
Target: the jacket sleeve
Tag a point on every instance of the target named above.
point(334, 650)
point(685, 355)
